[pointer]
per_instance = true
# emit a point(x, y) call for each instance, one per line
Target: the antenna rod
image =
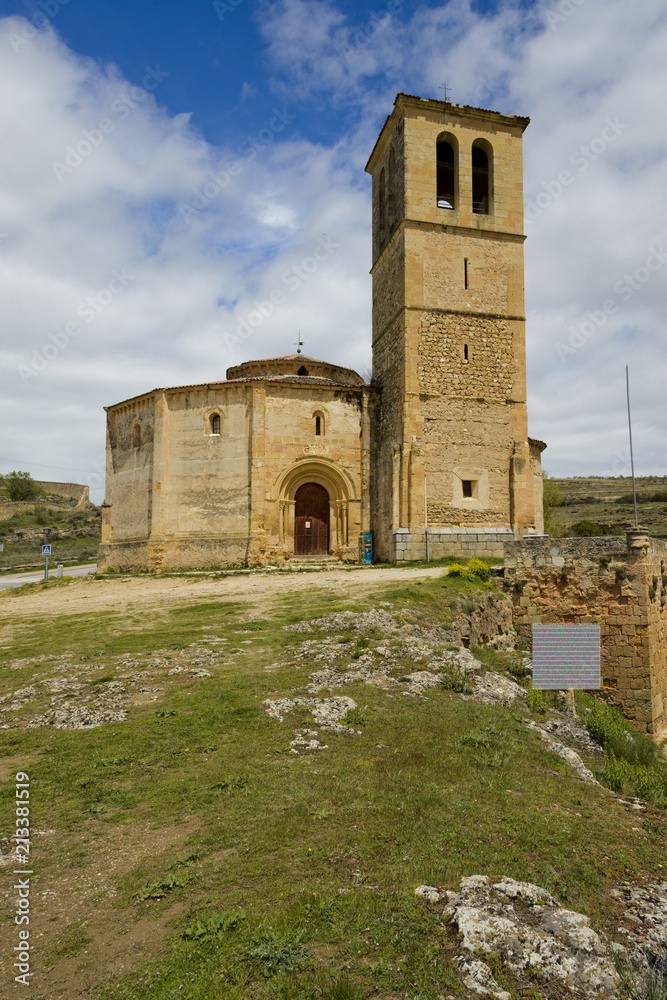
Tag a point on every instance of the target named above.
point(632, 461)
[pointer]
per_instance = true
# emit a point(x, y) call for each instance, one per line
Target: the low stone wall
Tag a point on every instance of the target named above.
point(621, 583)
point(71, 491)
point(485, 543)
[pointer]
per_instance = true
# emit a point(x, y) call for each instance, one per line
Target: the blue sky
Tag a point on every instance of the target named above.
point(219, 142)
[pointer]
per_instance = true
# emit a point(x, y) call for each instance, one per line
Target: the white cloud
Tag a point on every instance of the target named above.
point(592, 77)
point(130, 267)
point(202, 256)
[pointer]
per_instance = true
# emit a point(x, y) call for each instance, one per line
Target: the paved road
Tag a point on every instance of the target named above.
point(16, 579)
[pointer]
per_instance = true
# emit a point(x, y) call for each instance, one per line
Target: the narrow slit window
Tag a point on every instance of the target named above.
point(445, 174)
point(381, 207)
point(465, 357)
point(215, 423)
point(480, 181)
point(391, 191)
point(465, 272)
point(318, 426)
point(467, 487)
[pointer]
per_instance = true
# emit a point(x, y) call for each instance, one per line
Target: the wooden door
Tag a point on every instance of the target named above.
point(311, 520)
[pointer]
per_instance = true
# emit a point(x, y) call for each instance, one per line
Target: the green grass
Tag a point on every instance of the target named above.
point(297, 878)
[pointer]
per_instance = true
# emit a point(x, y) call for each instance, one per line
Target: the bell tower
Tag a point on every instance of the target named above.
point(451, 447)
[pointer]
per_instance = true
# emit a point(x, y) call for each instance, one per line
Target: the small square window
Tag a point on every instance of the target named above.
point(467, 487)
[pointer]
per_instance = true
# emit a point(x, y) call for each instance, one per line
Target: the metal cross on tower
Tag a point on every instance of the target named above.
point(445, 86)
point(299, 344)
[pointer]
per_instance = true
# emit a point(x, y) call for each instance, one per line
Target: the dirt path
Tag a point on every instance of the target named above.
point(92, 595)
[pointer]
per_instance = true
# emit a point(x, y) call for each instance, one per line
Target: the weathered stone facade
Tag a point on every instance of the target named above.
point(620, 582)
point(433, 457)
point(451, 448)
point(181, 495)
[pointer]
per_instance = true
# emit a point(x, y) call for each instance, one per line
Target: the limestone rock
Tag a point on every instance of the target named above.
point(560, 944)
point(571, 757)
point(494, 689)
point(477, 976)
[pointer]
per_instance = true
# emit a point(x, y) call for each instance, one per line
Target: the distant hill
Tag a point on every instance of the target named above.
point(74, 535)
point(606, 502)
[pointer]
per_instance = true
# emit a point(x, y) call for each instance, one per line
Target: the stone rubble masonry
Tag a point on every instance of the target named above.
point(449, 334)
point(621, 583)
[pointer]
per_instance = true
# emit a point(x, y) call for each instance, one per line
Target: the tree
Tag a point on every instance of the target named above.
point(20, 486)
point(551, 498)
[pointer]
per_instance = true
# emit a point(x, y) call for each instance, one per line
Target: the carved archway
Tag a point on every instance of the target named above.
point(320, 472)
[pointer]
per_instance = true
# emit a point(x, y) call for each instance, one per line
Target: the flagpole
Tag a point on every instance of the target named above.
point(632, 461)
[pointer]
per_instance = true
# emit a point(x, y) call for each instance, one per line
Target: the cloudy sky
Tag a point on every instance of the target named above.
point(164, 170)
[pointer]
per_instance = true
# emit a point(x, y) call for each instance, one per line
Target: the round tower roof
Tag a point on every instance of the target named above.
point(294, 365)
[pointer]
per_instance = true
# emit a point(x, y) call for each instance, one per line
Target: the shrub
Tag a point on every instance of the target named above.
point(633, 763)
point(478, 568)
point(456, 569)
point(539, 701)
point(20, 486)
point(613, 732)
point(41, 515)
point(589, 529)
point(455, 679)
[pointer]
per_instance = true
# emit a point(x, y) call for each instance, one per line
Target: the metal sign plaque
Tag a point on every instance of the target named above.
point(566, 656)
point(368, 547)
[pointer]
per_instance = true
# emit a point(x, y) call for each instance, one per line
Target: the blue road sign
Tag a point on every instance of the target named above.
point(46, 550)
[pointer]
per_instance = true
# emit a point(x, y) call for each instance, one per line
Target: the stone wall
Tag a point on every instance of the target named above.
point(69, 491)
point(618, 582)
point(464, 543)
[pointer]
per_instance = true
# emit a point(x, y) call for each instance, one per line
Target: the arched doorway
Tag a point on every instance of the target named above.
point(311, 520)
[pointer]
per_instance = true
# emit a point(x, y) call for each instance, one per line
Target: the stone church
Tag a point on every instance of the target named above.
point(291, 457)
